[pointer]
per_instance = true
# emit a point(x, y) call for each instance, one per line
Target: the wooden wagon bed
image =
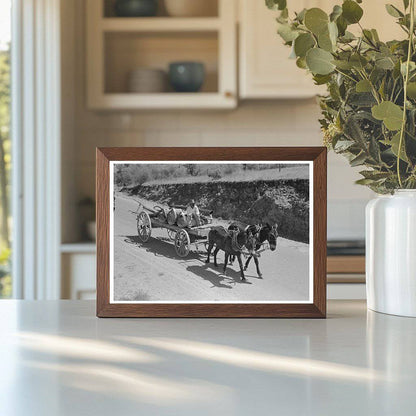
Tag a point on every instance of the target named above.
point(182, 237)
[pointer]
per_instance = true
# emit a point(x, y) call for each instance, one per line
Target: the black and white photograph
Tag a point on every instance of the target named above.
point(211, 232)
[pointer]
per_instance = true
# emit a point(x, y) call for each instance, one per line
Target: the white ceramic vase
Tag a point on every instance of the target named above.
point(391, 253)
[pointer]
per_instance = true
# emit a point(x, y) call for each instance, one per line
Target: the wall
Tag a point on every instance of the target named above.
point(264, 123)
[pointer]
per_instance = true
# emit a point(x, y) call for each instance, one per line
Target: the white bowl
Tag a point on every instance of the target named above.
point(191, 8)
point(92, 230)
point(146, 80)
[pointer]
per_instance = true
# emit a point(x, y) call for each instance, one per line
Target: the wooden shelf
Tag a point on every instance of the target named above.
point(116, 46)
point(346, 264)
point(159, 24)
point(80, 247)
point(163, 101)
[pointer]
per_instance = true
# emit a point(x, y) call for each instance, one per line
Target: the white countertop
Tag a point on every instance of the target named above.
point(58, 359)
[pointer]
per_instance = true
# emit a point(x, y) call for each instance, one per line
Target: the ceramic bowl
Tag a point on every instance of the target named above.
point(191, 8)
point(147, 80)
point(92, 230)
point(136, 8)
point(186, 76)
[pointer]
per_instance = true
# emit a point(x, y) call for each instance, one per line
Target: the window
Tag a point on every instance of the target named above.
point(5, 145)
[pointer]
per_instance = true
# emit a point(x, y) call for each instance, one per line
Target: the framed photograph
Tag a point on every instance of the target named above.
point(211, 232)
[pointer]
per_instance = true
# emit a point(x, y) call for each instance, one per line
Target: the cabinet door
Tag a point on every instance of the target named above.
point(376, 17)
point(265, 68)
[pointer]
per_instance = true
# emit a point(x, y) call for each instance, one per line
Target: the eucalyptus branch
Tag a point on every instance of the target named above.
point(346, 75)
point(349, 63)
point(398, 95)
point(405, 81)
point(392, 90)
point(373, 89)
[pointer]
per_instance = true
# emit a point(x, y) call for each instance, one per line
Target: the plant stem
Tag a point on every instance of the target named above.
point(373, 89)
point(345, 75)
point(406, 80)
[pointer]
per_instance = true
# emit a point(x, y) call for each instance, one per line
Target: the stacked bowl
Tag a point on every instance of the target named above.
point(147, 80)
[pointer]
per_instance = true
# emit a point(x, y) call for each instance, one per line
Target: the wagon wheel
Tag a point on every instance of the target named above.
point(144, 226)
point(171, 234)
point(182, 243)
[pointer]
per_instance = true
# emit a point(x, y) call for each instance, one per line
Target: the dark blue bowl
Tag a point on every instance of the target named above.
point(136, 8)
point(186, 76)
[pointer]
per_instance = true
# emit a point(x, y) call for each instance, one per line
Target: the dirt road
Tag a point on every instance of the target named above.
point(152, 271)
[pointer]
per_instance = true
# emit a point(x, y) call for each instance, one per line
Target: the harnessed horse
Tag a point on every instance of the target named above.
point(232, 242)
point(256, 236)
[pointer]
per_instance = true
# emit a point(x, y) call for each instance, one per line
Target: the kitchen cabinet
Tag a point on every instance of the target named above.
point(265, 70)
point(118, 45)
point(78, 263)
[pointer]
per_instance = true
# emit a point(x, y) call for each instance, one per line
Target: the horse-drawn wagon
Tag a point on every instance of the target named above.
point(236, 240)
point(173, 220)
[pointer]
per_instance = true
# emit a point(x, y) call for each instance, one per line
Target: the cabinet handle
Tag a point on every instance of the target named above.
point(228, 94)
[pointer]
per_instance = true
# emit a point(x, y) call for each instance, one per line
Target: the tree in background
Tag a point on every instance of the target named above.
point(5, 165)
point(4, 143)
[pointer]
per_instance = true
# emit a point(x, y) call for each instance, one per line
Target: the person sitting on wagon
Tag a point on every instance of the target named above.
point(193, 215)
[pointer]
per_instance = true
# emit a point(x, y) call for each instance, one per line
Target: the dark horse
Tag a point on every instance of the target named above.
point(256, 236)
point(231, 242)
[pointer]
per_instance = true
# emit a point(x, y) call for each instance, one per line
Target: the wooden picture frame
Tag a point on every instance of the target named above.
point(316, 308)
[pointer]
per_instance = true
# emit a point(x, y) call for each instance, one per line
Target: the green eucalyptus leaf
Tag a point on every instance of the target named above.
point(412, 67)
point(342, 25)
point(363, 86)
point(385, 63)
point(374, 150)
point(343, 145)
point(374, 175)
point(325, 42)
point(405, 21)
point(286, 32)
point(343, 65)
point(358, 61)
point(393, 11)
point(319, 61)
point(300, 17)
point(368, 36)
point(276, 4)
point(292, 52)
point(411, 90)
point(316, 20)
point(358, 160)
point(377, 75)
point(303, 43)
point(394, 146)
point(333, 32)
point(361, 99)
point(396, 71)
point(388, 112)
point(347, 37)
point(381, 89)
point(283, 18)
point(365, 182)
point(321, 79)
point(351, 11)
point(336, 12)
point(375, 35)
point(301, 63)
